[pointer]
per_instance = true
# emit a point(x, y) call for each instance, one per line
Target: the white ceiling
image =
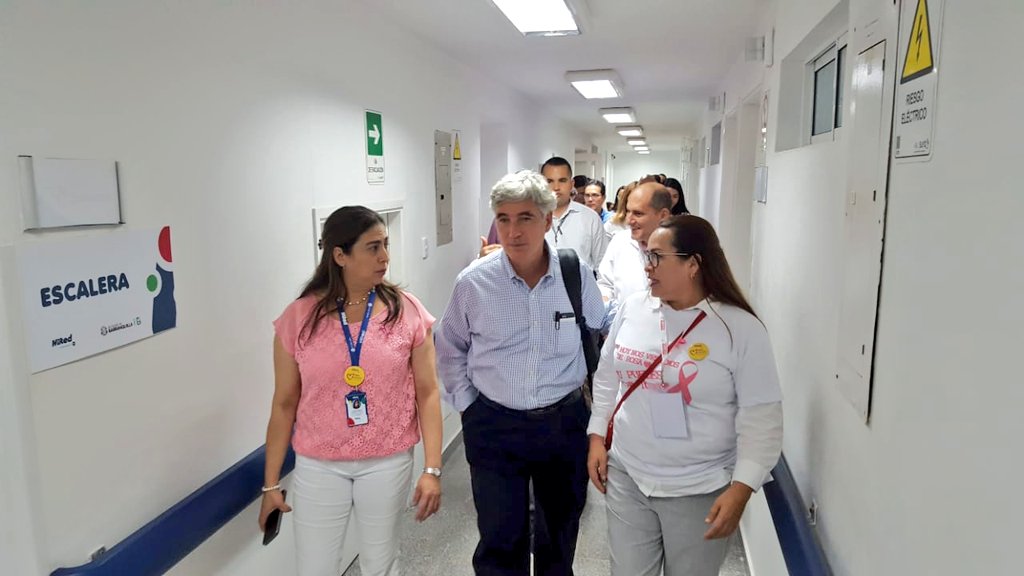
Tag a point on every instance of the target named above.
point(671, 55)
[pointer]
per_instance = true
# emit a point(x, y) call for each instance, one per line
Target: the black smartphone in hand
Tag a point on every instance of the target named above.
point(273, 526)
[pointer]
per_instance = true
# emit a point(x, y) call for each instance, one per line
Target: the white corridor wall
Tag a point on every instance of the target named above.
point(921, 489)
point(230, 122)
point(630, 166)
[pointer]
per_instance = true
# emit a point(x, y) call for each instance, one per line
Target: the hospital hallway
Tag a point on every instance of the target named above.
point(445, 544)
point(256, 254)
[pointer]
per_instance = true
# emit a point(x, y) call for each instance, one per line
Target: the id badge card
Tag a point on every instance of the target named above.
point(668, 415)
point(355, 408)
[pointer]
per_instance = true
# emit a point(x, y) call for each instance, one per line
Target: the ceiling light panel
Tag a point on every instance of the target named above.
point(630, 131)
point(636, 142)
point(641, 149)
point(618, 115)
point(595, 84)
point(596, 89)
point(539, 17)
point(644, 152)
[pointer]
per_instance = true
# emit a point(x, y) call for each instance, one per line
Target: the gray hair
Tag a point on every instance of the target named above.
point(522, 186)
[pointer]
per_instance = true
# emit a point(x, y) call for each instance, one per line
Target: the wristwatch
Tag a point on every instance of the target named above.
point(432, 471)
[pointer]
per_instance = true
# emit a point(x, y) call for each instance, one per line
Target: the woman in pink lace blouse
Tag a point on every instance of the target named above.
point(355, 386)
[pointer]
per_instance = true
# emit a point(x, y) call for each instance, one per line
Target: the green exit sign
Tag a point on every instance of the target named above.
point(374, 134)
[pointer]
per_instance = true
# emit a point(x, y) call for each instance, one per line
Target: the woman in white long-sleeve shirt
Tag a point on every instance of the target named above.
point(704, 428)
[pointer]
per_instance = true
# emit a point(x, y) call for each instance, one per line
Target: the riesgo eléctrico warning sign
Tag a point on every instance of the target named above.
point(920, 24)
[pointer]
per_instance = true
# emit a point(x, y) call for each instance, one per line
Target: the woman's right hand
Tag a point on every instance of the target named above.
point(271, 500)
point(597, 463)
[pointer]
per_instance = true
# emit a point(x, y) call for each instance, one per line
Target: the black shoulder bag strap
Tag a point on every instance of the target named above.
point(569, 262)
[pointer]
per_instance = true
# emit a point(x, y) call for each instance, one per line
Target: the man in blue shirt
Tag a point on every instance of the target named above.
point(510, 357)
point(594, 198)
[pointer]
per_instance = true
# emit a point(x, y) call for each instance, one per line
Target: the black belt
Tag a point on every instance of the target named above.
point(544, 411)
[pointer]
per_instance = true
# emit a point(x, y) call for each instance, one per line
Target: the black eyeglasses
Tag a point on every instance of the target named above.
point(653, 259)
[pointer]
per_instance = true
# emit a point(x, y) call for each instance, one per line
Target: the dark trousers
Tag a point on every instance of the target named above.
point(506, 449)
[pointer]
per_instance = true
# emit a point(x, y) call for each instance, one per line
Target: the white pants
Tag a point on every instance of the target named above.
point(326, 493)
point(649, 536)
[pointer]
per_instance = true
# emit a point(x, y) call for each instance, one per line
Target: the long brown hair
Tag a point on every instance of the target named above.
point(342, 229)
point(695, 235)
point(620, 203)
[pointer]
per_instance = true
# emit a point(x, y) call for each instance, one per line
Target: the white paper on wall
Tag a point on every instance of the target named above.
point(58, 192)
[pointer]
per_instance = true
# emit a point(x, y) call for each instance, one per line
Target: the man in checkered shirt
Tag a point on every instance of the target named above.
point(510, 357)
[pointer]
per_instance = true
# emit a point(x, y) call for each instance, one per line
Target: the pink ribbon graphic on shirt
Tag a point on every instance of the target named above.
point(684, 381)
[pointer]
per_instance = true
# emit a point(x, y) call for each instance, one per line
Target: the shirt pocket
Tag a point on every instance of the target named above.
point(566, 343)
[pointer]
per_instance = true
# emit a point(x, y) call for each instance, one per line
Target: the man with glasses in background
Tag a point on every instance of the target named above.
point(594, 198)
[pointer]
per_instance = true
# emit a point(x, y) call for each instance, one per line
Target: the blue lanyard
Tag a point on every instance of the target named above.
point(355, 349)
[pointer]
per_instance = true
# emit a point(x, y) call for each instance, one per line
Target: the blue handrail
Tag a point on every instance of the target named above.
point(800, 548)
point(156, 547)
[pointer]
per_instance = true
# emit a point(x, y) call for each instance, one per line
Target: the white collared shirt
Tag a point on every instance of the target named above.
point(621, 273)
point(610, 227)
point(580, 228)
point(734, 413)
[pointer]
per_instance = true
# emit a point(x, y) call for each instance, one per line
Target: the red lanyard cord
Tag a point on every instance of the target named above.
point(646, 373)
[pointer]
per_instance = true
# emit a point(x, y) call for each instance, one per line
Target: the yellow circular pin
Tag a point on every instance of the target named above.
point(699, 351)
point(354, 376)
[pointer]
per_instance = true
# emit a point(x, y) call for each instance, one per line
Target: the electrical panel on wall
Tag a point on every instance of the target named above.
point(715, 155)
point(443, 186)
point(864, 223)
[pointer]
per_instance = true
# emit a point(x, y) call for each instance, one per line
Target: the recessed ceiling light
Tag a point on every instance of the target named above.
point(641, 149)
point(595, 84)
point(618, 115)
point(636, 142)
point(540, 17)
point(644, 152)
point(630, 131)
point(596, 89)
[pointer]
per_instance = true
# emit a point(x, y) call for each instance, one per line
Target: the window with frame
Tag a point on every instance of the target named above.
point(828, 73)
